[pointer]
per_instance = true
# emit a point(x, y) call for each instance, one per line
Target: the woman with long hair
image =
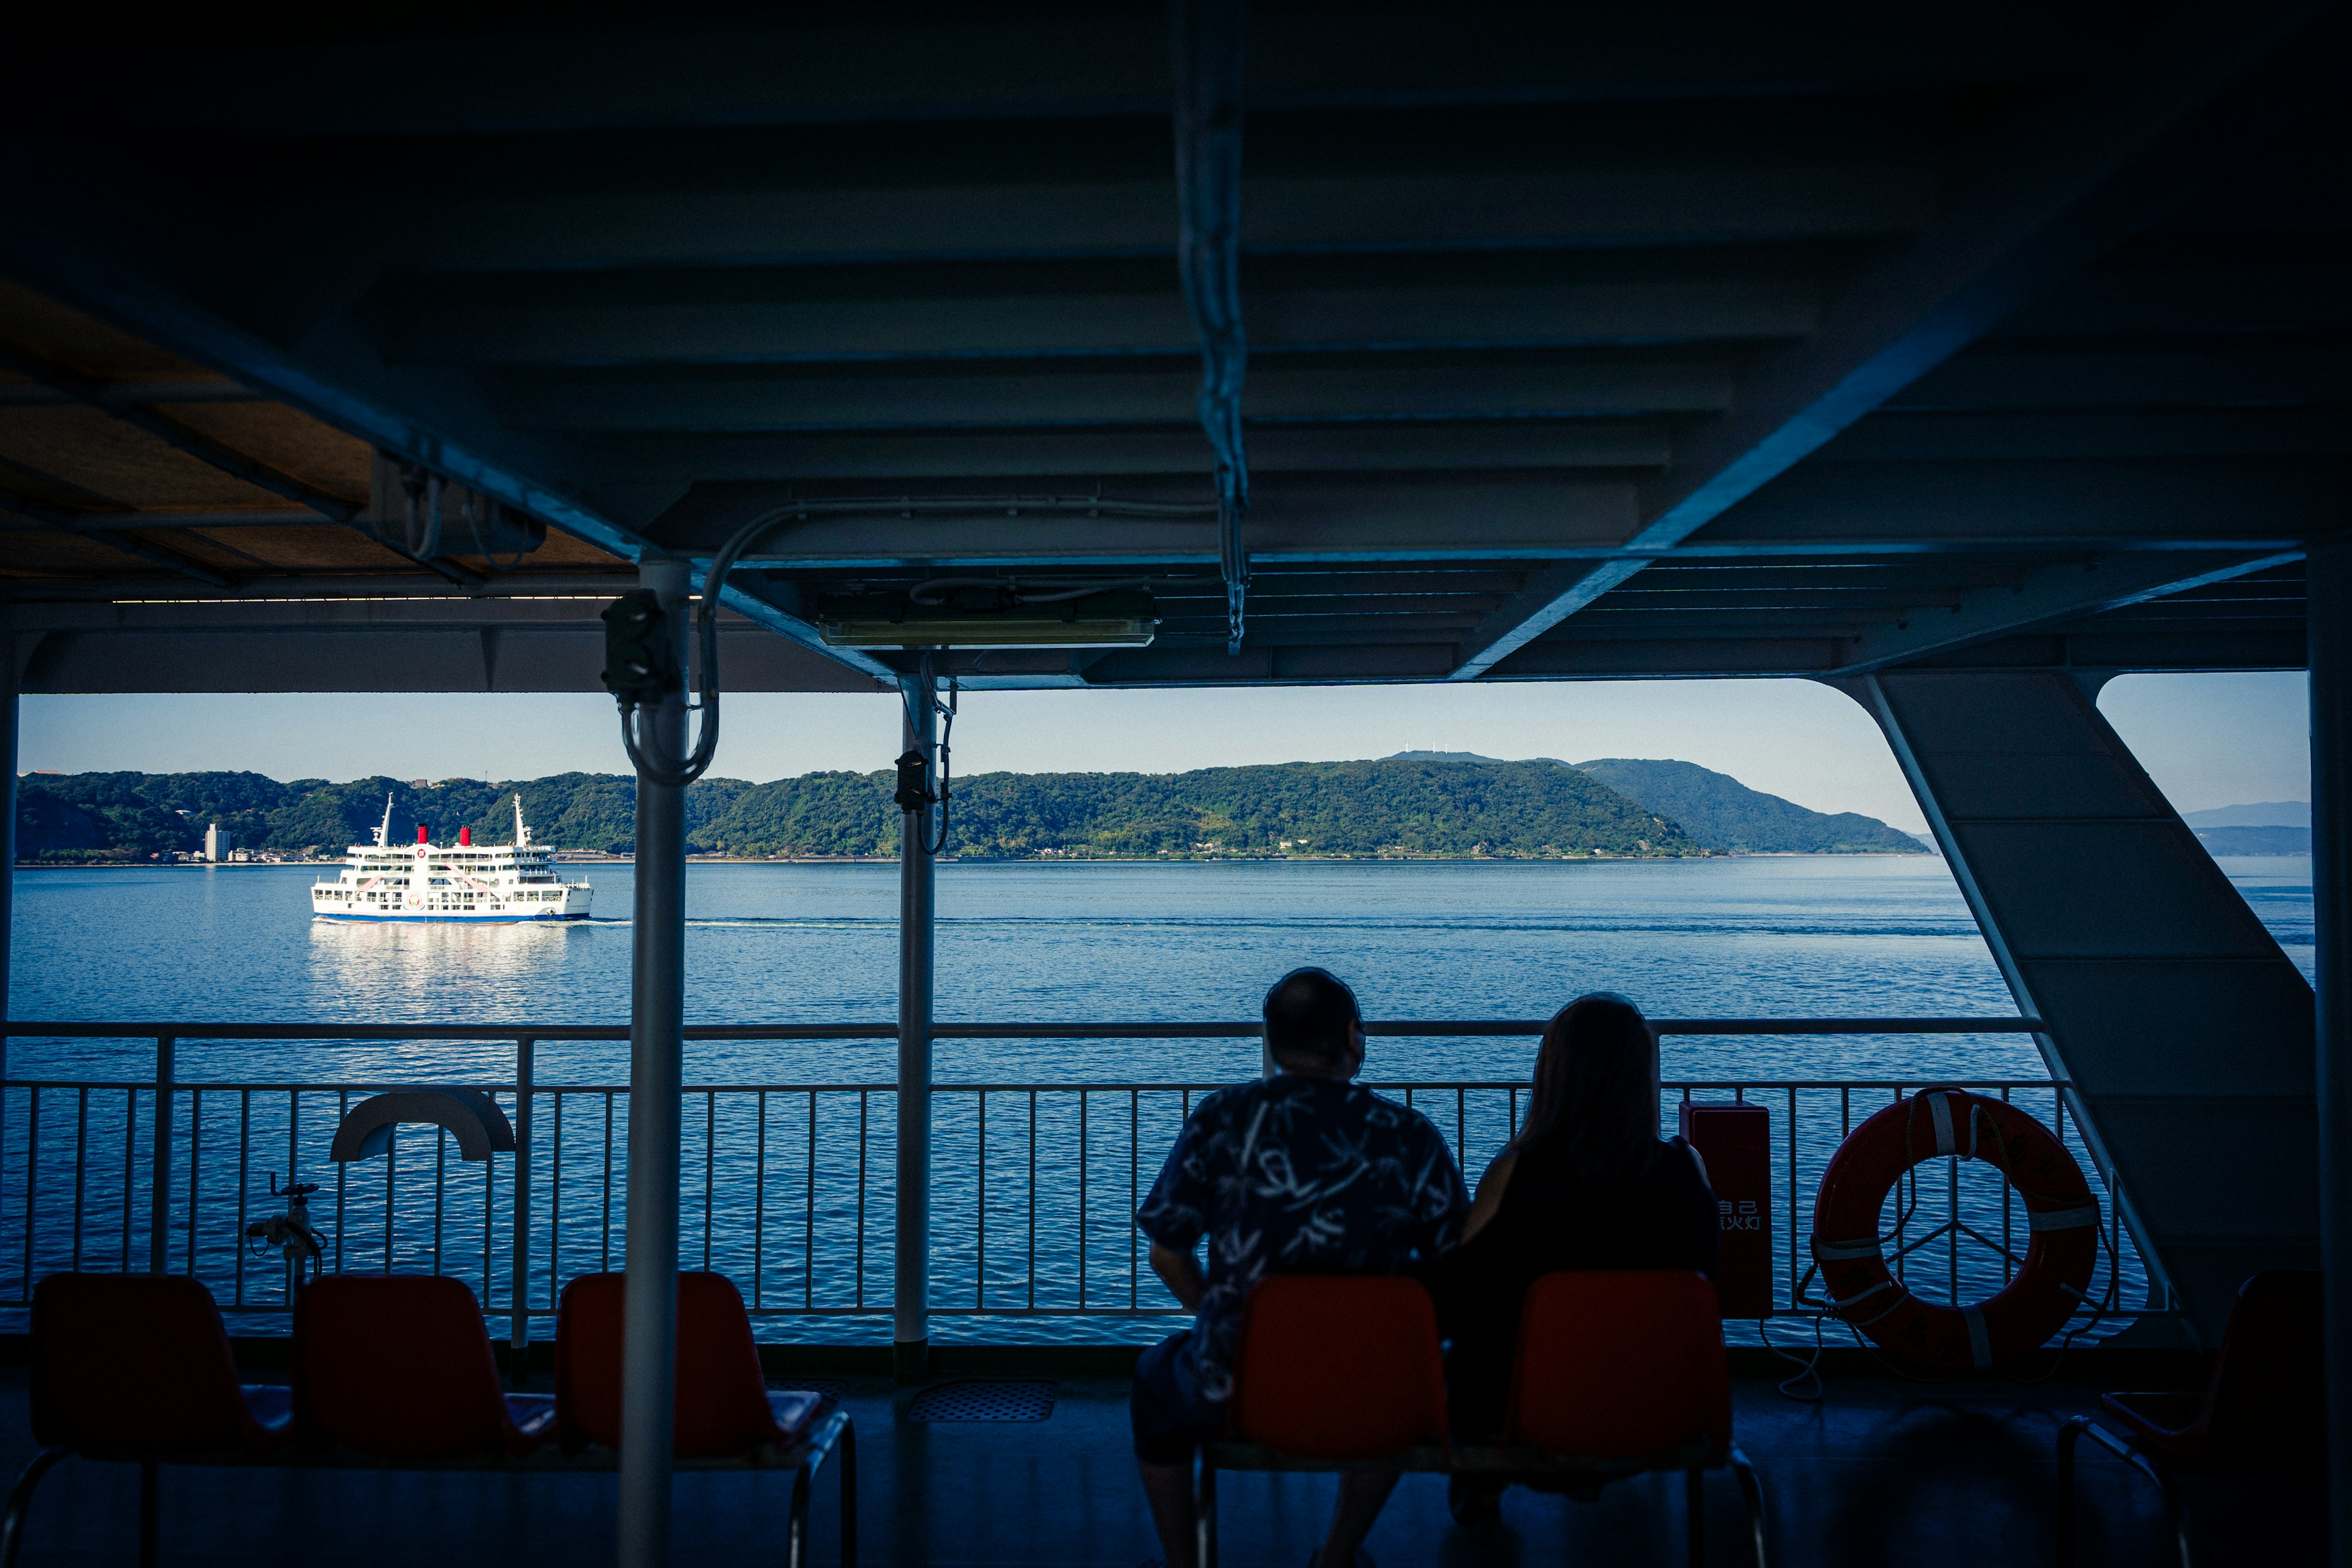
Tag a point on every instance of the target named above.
point(1587, 1184)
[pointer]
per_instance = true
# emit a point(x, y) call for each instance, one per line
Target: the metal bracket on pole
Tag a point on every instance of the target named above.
point(910, 1277)
point(656, 1066)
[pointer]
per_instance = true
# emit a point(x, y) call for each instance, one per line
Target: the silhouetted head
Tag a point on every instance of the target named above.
point(1313, 1025)
point(1596, 1089)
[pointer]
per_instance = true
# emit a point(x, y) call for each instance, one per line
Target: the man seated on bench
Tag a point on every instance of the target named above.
point(1302, 1172)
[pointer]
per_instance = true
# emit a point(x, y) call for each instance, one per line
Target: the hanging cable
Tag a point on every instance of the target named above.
point(1209, 38)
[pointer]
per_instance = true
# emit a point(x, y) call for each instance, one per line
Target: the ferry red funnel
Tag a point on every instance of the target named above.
point(466, 837)
point(420, 835)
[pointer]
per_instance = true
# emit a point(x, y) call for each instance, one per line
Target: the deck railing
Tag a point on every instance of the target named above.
point(788, 1185)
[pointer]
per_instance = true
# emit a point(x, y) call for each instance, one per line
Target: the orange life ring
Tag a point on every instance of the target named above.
point(2062, 1220)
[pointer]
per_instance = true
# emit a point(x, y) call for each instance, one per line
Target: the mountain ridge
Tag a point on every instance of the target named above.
point(1370, 809)
point(1722, 813)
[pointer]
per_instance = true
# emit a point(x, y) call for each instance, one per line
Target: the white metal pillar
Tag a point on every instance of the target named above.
point(910, 1297)
point(2328, 610)
point(657, 1053)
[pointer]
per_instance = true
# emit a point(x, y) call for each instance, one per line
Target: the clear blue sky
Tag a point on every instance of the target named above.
point(2209, 740)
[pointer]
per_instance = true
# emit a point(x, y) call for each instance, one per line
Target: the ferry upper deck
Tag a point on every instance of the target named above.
point(1961, 357)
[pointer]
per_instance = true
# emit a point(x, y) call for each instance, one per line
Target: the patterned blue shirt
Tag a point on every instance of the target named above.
point(1299, 1175)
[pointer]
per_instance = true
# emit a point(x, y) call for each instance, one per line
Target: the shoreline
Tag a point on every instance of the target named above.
point(590, 860)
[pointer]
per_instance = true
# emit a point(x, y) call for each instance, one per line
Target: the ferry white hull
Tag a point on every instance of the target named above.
point(462, 883)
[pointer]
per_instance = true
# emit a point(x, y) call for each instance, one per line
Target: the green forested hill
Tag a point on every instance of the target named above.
point(1366, 808)
point(1724, 813)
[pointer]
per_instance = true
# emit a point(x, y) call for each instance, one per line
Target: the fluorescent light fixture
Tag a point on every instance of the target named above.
point(1115, 618)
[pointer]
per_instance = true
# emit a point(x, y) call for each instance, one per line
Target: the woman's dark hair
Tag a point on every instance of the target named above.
point(1596, 1089)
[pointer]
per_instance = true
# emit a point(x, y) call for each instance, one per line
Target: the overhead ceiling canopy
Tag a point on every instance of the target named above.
point(1378, 343)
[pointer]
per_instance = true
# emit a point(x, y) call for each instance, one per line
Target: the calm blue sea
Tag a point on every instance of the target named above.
point(1757, 936)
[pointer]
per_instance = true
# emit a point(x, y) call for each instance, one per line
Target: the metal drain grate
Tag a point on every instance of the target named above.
point(983, 1399)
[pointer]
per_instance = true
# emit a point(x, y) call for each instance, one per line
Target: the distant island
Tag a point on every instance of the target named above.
point(1410, 806)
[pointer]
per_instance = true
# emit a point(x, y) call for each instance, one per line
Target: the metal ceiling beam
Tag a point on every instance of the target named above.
point(1091, 455)
point(997, 396)
point(64, 521)
point(676, 323)
point(88, 228)
point(1082, 64)
point(2065, 181)
point(2052, 595)
point(528, 229)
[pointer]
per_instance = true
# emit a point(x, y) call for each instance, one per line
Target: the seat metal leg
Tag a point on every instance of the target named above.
point(20, 1502)
point(796, 1526)
point(1751, 1496)
point(150, 1486)
point(2068, 1436)
point(1694, 1510)
point(847, 1461)
point(1204, 1515)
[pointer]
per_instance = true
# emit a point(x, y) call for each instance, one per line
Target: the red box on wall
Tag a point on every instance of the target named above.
point(1736, 1141)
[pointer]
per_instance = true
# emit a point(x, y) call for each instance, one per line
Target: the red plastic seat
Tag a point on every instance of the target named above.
point(399, 1367)
point(137, 1366)
point(1338, 1367)
point(724, 1405)
point(2262, 1410)
point(1621, 1365)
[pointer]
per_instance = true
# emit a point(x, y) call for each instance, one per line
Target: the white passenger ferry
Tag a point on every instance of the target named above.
point(489, 883)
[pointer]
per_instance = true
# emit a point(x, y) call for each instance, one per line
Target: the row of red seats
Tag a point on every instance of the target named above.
point(396, 1370)
point(1618, 1372)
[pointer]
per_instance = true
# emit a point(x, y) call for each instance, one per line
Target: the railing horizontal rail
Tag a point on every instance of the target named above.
point(1033, 1200)
point(1117, 1029)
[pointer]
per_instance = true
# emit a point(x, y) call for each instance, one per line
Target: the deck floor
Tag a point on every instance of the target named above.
point(1882, 1473)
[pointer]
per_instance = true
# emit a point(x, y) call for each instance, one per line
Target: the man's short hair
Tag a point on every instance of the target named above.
point(1308, 1015)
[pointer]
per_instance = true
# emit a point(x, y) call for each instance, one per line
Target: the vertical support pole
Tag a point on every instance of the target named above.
point(2328, 612)
point(8, 706)
point(518, 1320)
point(159, 1213)
point(911, 1295)
point(656, 1067)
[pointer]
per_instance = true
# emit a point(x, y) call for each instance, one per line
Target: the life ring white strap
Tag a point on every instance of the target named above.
point(1979, 1339)
point(1844, 1251)
point(2062, 1219)
point(1948, 1141)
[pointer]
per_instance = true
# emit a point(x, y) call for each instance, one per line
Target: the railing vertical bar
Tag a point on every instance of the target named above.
point(1033, 1200)
point(159, 1183)
point(1846, 1113)
point(81, 1164)
point(244, 1180)
point(1134, 1173)
point(1952, 1236)
point(808, 1209)
point(518, 1299)
point(391, 1181)
point(760, 1199)
point(489, 1221)
point(342, 1176)
point(860, 1296)
point(979, 1210)
point(1792, 1195)
point(32, 1175)
point(130, 1143)
point(604, 1256)
point(709, 1166)
point(555, 1202)
point(2008, 1248)
point(195, 1168)
point(1461, 1137)
point(440, 1189)
point(1084, 1098)
point(1515, 1112)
